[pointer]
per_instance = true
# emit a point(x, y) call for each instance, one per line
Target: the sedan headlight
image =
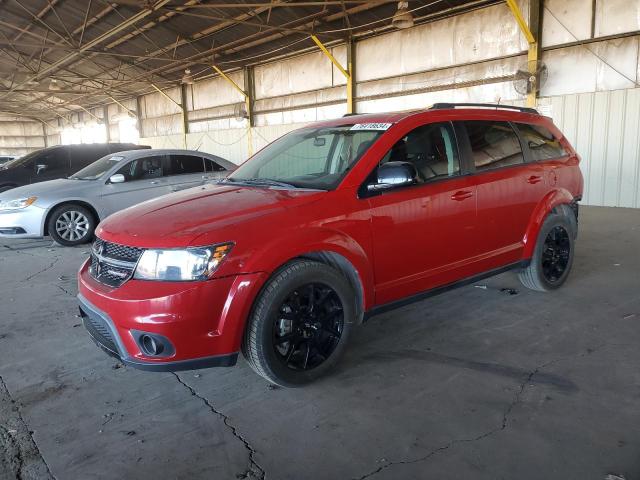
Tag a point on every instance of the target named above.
point(177, 265)
point(17, 204)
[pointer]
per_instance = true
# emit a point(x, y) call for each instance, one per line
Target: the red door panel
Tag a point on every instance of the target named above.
point(422, 236)
point(506, 200)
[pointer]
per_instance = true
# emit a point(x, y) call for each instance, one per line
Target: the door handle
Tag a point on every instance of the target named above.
point(534, 179)
point(154, 182)
point(461, 195)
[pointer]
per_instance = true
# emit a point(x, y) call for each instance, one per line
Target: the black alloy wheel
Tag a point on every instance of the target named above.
point(308, 326)
point(556, 254)
point(300, 323)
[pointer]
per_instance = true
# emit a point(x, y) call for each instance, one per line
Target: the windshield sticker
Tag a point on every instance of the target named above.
point(371, 126)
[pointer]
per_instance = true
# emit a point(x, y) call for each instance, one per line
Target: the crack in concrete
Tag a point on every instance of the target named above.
point(48, 267)
point(505, 417)
point(21, 419)
point(64, 290)
point(254, 470)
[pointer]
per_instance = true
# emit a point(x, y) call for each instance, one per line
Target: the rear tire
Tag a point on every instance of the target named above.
point(300, 323)
point(71, 225)
point(552, 257)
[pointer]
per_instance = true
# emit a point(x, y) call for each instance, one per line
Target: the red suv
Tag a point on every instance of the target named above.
point(327, 226)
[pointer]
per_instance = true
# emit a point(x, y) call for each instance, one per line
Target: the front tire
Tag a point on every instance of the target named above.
point(300, 323)
point(71, 225)
point(553, 255)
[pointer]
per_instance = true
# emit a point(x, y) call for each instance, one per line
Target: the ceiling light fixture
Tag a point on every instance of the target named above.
point(187, 78)
point(54, 85)
point(403, 17)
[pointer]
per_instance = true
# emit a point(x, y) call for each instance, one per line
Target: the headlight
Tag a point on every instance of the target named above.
point(181, 265)
point(17, 204)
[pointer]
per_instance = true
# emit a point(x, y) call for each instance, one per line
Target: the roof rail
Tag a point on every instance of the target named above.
point(441, 106)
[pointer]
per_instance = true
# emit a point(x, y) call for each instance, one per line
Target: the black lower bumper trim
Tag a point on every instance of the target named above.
point(228, 360)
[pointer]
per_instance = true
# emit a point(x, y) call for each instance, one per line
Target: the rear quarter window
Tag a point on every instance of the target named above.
point(541, 143)
point(493, 144)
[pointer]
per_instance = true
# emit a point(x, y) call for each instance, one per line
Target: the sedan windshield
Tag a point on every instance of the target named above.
point(97, 168)
point(316, 158)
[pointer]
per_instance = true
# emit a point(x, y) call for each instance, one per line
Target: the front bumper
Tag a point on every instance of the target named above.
point(203, 321)
point(23, 223)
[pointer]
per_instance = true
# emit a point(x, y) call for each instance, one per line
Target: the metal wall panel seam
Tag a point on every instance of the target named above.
point(622, 142)
point(603, 175)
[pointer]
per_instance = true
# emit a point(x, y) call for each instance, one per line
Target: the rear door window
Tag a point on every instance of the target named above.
point(541, 143)
point(183, 164)
point(493, 144)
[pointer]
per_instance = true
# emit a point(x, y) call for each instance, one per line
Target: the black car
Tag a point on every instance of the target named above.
point(55, 162)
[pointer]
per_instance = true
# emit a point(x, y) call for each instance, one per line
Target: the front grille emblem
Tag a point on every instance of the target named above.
point(113, 264)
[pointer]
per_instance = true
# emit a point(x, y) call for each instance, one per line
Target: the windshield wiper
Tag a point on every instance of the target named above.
point(259, 181)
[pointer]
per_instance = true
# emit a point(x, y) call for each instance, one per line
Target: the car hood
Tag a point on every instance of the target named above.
point(196, 216)
point(46, 190)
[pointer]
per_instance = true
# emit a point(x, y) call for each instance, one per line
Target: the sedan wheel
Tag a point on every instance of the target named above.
point(71, 225)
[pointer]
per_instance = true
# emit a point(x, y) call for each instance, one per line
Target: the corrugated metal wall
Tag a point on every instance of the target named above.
point(604, 127)
point(18, 137)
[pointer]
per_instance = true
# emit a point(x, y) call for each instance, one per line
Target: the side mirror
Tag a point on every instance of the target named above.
point(117, 178)
point(41, 168)
point(394, 174)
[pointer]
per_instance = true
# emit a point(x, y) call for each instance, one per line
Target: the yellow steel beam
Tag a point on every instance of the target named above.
point(247, 102)
point(94, 116)
point(165, 95)
point(230, 80)
point(532, 55)
point(131, 112)
point(515, 9)
point(331, 57)
point(347, 74)
point(183, 112)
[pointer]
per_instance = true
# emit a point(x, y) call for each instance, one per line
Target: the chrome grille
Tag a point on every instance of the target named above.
point(117, 251)
point(113, 264)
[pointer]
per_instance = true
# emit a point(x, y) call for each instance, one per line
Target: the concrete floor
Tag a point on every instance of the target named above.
point(476, 383)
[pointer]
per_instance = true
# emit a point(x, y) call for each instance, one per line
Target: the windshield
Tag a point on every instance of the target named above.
point(97, 168)
point(315, 158)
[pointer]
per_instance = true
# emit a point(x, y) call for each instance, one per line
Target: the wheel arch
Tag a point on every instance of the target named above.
point(82, 203)
point(558, 201)
point(328, 246)
point(344, 266)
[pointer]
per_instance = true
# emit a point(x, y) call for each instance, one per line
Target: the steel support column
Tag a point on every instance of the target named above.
point(138, 115)
point(105, 119)
point(183, 108)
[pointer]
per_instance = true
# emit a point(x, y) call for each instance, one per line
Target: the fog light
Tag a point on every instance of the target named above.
point(150, 346)
point(153, 345)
